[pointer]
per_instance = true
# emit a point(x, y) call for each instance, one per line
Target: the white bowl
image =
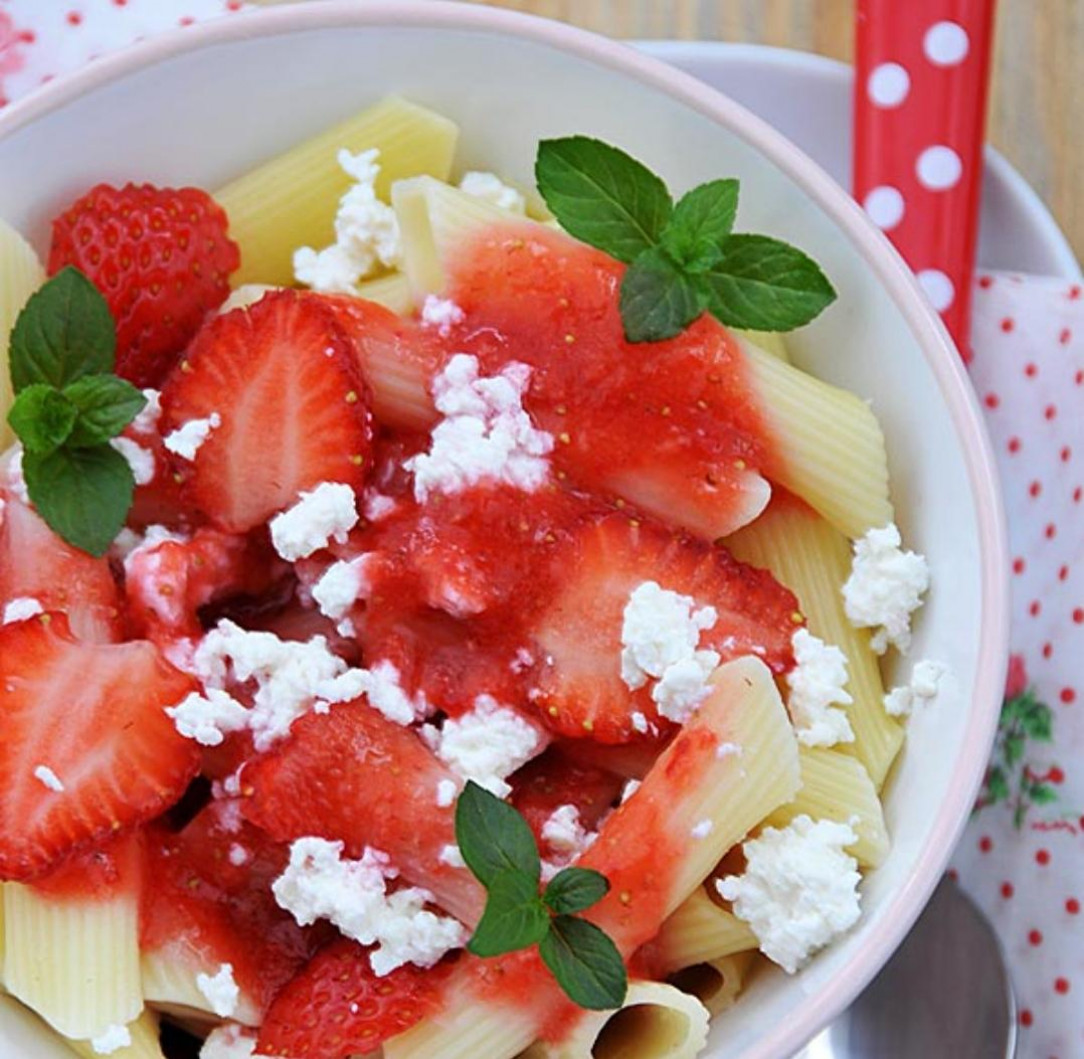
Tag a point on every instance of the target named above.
point(200, 105)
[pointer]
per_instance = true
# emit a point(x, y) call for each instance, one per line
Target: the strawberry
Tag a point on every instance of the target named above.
point(113, 867)
point(167, 583)
point(36, 563)
point(94, 715)
point(162, 259)
point(353, 775)
point(294, 409)
point(552, 780)
point(579, 689)
point(337, 1007)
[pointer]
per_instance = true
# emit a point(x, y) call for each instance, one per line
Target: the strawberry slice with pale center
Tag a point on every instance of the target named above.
point(337, 1007)
point(282, 378)
point(94, 716)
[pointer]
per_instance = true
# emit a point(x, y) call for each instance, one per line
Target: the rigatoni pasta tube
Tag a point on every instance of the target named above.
point(701, 930)
point(717, 983)
point(21, 274)
point(291, 200)
point(732, 764)
point(145, 1043)
point(813, 560)
point(837, 787)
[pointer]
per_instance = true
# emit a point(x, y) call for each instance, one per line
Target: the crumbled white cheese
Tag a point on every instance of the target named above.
point(564, 834)
point(639, 722)
point(728, 750)
point(490, 188)
point(290, 677)
point(817, 682)
point(630, 788)
point(485, 434)
point(446, 793)
point(128, 542)
point(245, 296)
point(319, 884)
point(441, 313)
point(885, 586)
point(140, 460)
point(385, 693)
point(186, 440)
point(925, 683)
point(452, 856)
point(376, 506)
point(230, 1041)
point(238, 855)
point(146, 422)
point(230, 819)
point(366, 233)
point(210, 717)
point(799, 889)
point(12, 477)
point(220, 990)
point(486, 744)
point(48, 777)
point(328, 511)
point(111, 1040)
point(702, 828)
point(20, 608)
point(660, 632)
point(341, 586)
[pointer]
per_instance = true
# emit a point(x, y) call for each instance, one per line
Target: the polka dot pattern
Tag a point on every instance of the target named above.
point(918, 131)
point(1028, 366)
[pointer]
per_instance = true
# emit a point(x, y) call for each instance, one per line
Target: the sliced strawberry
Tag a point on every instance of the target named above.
point(161, 258)
point(353, 775)
point(114, 867)
point(545, 784)
point(36, 563)
point(294, 409)
point(167, 583)
point(208, 902)
point(337, 1007)
point(579, 690)
point(95, 715)
point(160, 502)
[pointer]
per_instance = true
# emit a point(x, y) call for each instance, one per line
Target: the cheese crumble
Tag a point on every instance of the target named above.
point(818, 685)
point(187, 440)
point(320, 515)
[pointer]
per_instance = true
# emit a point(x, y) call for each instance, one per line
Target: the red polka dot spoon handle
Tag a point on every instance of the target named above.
point(921, 75)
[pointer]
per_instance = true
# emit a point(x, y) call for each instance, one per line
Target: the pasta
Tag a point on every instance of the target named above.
point(73, 961)
point(657, 1021)
point(812, 559)
point(837, 787)
point(21, 274)
point(145, 1044)
point(169, 983)
point(717, 983)
point(699, 931)
point(290, 201)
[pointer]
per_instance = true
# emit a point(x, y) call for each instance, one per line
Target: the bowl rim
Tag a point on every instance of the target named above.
point(815, 1010)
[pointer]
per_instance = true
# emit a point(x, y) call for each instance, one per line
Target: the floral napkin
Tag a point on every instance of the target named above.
point(1022, 857)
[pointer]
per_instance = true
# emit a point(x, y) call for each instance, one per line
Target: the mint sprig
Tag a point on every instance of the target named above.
point(68, 406)
point(683, 259)
point(499, 848)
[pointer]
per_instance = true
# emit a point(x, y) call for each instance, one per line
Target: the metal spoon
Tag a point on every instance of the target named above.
point(945, 993)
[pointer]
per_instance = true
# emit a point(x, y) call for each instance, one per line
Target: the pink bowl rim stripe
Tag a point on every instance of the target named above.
point(818, 1009)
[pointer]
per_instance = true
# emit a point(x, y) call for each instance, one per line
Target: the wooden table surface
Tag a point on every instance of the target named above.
point(1037, 100)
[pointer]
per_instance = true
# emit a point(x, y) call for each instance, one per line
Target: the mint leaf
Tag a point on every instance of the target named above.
point(601, 195)
point(493, 837)
point(574, 889)
point(763, 284)
point(585, 963)
point(514, 916)
point(106, 404)
point(658, 300)
point(83, 494)
point(701, 222)
point(42, 418)
point(65, 331)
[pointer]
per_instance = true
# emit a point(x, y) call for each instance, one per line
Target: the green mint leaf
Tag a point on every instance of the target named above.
point(106, 404)
point(493, 837)
point(83, 494)
point(585, 963)
point(42, 418)
point(574, 889)
point(602, 196)
point(514, 917)
point(763, 284)
point(1042, 794)
point(702, 220)
point(658, 300)
point(65, 331)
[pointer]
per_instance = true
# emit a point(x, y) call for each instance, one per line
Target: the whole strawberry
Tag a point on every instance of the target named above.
point(162, 259)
